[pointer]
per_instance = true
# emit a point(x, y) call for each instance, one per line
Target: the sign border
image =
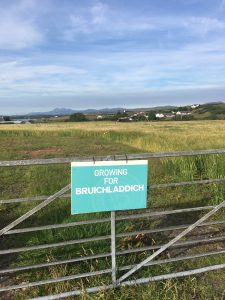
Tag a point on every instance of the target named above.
point(109, 162)
point(105, 163)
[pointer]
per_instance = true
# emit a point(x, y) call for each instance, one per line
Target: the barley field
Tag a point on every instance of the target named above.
point(34, 141)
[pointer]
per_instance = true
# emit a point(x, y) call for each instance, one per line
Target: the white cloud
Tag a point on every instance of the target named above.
point(222, 5)
point(98, 13)
point(17, 28)
point(17, 74)
point(102, 18)
point(203, 25)
point(87, 22)
point(16, 33)
point(79, 24)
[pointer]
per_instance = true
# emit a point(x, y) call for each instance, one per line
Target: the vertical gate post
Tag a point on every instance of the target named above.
point(113, 246)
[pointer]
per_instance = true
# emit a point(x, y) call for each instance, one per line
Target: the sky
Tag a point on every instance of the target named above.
point(110, 53)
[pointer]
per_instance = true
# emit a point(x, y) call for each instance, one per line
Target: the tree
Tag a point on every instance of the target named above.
point(140, 118)
point(151, 116)
point(77, 117)
point(6, 118)
point(119, 115)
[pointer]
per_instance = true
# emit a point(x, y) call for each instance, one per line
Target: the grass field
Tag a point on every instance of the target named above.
point(104, 138)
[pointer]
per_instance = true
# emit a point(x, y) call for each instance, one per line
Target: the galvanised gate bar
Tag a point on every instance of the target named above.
point(115, 270)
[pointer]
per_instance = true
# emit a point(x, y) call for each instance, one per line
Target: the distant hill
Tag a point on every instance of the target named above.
point(210, 111)
point(69, 111)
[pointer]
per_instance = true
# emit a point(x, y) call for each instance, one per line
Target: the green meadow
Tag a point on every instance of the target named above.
point(35, 141)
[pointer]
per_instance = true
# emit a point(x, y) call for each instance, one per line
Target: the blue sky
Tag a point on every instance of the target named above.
point(95, 54)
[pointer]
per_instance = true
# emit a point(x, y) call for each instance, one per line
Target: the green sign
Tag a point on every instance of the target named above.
point(108, 186)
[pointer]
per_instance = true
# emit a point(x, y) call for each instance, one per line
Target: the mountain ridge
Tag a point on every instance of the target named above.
point(68, 111)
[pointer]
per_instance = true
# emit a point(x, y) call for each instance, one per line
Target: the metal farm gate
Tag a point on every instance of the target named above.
point(114, 270)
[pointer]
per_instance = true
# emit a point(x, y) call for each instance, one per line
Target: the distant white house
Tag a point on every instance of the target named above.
point(195, 106)
point(159, 116)
point(170, 116)
point(99, 117)
point(139, 114)
point(183, 113)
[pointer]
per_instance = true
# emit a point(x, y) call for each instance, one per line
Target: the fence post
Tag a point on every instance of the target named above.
point(113, 246)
